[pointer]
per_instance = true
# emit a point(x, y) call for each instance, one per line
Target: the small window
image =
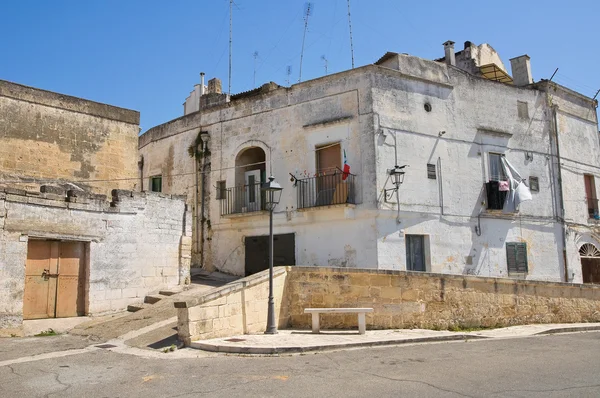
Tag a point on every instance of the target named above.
point(156, 184)
point(534, 184)
point(516, 257)
point(221, 190)
point(522, 110)
point(496, 171)
point(427, 107)
point(431, 171)
point(590, 195)
point(416, 253)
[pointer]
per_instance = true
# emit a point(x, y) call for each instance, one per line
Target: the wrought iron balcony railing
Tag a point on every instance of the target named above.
point(326, 190)
point(243, 199)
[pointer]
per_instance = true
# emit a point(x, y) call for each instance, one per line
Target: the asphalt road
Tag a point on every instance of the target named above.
point(565, 365)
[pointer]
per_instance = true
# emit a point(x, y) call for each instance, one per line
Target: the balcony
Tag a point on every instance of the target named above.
point(242, 199)
point(326, 190)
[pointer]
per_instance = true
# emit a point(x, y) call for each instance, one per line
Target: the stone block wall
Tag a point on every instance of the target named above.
point(402, 299)
point(237, 308)
point(137, 244)
point(46, 135)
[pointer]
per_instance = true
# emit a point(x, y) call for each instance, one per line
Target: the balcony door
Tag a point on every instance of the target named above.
point(329, 160)
point(252, 188)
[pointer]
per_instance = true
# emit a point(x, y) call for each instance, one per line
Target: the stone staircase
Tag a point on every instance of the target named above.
point(153, 299)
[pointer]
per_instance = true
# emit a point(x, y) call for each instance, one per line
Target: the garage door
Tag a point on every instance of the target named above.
point(257, 252)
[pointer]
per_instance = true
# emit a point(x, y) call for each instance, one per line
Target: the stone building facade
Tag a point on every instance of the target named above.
point(49, 137)
point(450, 121)
point(65, 249)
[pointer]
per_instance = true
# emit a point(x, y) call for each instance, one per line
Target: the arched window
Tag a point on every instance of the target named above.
point(589, 250)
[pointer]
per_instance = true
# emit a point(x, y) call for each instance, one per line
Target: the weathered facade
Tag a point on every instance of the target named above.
point(50, 137)
point(451, 121)
point(132, 246)
point(65, 250)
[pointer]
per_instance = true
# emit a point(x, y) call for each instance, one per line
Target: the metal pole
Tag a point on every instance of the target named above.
point(271, 326)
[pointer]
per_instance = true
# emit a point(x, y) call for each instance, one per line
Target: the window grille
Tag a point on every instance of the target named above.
point(431, 174)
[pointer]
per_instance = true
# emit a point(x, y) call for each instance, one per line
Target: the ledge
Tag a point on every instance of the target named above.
point(337, 206)
point(246, 214)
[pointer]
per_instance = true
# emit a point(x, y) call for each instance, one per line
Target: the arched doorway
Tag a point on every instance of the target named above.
point(249, 174)
point(590, 263)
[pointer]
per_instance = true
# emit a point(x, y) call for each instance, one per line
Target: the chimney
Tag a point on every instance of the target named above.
point(214, 86)
point(449, 53)
point(521, 70)
point(201, 83)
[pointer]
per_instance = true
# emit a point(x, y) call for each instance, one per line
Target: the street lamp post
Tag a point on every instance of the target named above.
point(273, 195)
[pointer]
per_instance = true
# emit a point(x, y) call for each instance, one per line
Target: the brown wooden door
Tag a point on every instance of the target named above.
point(54, 279)
point(590, 268)
point(70, 296)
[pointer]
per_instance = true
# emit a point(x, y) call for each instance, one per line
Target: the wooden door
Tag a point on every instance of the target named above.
point(70, 296)
point(54, 279)
point(40, 289)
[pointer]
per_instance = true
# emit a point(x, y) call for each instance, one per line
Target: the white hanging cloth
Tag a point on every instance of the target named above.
point(519, 191)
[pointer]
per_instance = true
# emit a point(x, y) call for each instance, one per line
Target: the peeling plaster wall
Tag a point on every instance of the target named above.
point(48, 136)
point(476, 117)
point(287, 124)
point(138, 245)
point(365, 109)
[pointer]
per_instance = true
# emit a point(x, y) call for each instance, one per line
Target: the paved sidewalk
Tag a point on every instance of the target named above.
point(297, 341)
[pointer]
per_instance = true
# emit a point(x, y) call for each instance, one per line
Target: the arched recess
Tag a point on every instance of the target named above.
point(590, 263)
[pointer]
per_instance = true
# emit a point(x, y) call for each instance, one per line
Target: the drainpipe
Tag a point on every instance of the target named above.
point(561, 217)
point(141, 166)
point(203, 195)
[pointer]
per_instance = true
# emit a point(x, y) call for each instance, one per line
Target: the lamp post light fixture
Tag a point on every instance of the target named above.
point(397, 177)
point(273, 195)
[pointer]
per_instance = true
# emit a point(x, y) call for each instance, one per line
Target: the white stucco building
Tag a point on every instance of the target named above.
point(450, 121)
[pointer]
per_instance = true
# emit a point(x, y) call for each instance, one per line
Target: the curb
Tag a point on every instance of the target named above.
point(316, 348)
point(568, 330)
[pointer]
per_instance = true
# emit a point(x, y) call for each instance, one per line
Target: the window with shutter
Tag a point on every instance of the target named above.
point(516, 257)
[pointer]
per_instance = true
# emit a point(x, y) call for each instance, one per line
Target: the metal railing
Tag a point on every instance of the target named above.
point(326, 190)
point(243, 199)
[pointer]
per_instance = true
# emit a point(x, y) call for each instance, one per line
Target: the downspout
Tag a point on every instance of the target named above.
point(561, 216)
point(203, 197)
point(141, 166)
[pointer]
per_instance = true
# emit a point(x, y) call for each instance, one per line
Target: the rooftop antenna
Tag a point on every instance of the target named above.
point(350, 25)
point(231, 3)
point(288, 72)
point(597, 92)
point(307, 12)
point(326, 62)
point(255, 57)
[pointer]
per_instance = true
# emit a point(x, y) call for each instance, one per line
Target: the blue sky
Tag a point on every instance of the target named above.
point(147, 54)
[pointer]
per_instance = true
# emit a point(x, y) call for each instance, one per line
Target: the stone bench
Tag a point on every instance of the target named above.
point(362, 323)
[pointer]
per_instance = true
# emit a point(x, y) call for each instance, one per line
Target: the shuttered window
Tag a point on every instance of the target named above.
point(516, 257)
point(431, 171)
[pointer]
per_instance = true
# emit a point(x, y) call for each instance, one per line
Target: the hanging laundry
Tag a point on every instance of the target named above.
point(519, 191)
point(346, 167)
point(503, 186)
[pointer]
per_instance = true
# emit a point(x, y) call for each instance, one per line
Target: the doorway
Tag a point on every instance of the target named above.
point(252, 196)
point(257, 252)
point(55, 279)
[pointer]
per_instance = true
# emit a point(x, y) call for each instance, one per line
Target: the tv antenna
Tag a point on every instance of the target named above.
point(307, 13)
point(255, 55)
point(231, 4)
point(326, 63)
point(350, 25)
point(288, 72)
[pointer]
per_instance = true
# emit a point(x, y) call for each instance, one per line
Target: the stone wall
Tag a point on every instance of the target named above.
point(237, 308)
point(402, 299)
point(137, 244)
point(49, 136)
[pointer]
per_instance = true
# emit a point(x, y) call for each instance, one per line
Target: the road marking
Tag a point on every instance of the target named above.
point(49, 355)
